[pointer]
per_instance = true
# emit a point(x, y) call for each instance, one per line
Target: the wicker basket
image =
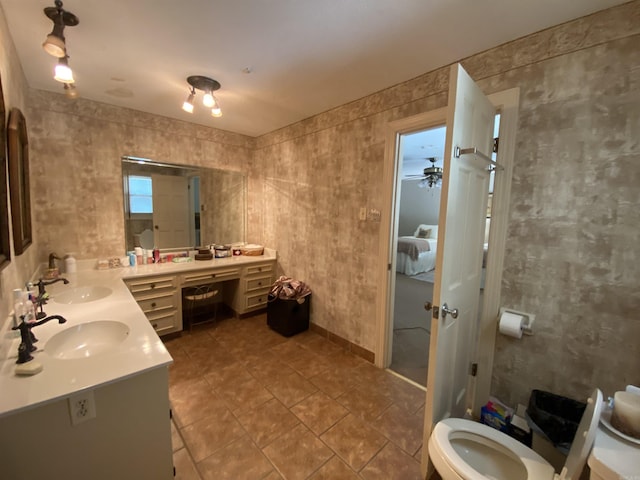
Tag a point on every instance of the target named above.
point(252, 250)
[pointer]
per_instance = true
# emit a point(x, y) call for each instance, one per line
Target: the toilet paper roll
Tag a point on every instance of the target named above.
point(511, 324)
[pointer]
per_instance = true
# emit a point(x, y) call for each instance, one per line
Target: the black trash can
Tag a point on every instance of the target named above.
point(287, 316)
point(557, 416)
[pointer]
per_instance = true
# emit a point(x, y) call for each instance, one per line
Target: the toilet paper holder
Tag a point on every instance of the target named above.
point(529, 318)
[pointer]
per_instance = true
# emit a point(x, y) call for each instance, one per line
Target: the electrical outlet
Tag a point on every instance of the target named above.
point(82, 407)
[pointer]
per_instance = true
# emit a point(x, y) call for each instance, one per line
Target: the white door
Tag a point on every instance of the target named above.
point(171, 211)
point(465, 187)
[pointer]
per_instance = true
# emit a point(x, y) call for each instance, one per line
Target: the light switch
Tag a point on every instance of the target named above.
point(363, 213)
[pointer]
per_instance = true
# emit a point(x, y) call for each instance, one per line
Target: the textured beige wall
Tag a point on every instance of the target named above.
point(76, 150)
point(14, 90)
point(573, 253)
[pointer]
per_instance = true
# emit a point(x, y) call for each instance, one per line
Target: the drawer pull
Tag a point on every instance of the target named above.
point(153, 285)
point(259, 283)
point(155, 326)
point(153, 305)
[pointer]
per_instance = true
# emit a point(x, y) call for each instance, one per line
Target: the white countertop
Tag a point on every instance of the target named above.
point(142, 350)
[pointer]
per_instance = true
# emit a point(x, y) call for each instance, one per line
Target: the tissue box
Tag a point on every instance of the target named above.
point(496, 415)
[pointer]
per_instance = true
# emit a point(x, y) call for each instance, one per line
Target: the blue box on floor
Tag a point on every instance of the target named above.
point(288, 317)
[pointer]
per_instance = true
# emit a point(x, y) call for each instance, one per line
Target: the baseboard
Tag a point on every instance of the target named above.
point(361, 352)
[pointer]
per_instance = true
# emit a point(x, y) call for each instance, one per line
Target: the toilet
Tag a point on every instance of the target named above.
point(465, 450)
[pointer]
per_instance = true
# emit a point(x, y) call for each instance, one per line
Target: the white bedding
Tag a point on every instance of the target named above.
point(425, 262)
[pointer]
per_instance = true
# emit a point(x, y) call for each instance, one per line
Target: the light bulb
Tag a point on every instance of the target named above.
point(216, 112)
point(63, 72)
point(208, 100)
point(54, 45)
point(187, 106)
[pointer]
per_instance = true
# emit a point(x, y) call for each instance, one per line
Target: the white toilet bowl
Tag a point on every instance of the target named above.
point(466, 450)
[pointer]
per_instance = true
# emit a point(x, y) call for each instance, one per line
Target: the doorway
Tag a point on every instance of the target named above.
point(415, 240)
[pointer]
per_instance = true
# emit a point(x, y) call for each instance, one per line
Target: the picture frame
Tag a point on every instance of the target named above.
point(5, 249)
point(20, 195)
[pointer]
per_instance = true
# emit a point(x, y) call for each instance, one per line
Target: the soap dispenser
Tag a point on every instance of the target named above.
point(70, 265)
point(52, 271)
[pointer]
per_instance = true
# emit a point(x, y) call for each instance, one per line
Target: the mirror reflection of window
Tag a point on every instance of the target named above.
point(140, 194)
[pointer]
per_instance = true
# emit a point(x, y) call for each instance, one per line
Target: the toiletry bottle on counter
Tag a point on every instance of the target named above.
point(149, 256)
point(70, 265)
point(18, 307)
point(139, 257)
point(156, 255)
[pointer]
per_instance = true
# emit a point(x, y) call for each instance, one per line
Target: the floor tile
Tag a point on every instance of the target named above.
point(242, 397)
point(267, 422)
point(367, 406)
point(231, 373)
point(205, 436)
point(402, 428)
point(185, 469)
point(193, 400)
point(176, 439)
point(354, 441)
point(334, 382)
point(239, 460)
point(298, 453)
point(391, 463)
point(267, 371)
point(182, 369)
point(335, 469)
point(291, 389)
point(319, 412)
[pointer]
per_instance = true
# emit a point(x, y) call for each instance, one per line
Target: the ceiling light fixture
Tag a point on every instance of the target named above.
point(432, 175)
point(54, 44)
point(207, 85)
point(70, 90)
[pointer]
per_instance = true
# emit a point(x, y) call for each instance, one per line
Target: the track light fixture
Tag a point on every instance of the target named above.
point(208, 86)
point(54, 44)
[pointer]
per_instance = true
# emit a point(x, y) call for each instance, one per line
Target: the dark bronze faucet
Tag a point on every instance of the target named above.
point(42, 294)
point(27, 338)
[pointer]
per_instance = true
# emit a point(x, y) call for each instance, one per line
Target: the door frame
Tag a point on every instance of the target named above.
point(506, 102)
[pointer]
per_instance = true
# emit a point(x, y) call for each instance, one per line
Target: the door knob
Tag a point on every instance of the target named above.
point(446, 310)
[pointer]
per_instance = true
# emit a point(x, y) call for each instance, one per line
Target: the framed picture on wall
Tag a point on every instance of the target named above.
point(18, 150)
point(5, 254)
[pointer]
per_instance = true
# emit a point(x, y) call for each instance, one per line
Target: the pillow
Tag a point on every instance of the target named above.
point(432, 234)
point(422, 233)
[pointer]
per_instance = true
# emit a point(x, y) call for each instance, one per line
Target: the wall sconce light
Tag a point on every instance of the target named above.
point(208, 86)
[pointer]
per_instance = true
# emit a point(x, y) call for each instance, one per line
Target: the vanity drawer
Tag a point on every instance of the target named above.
point(164, 323)
point(209, 276)
point(157, 303)
point(149, 285)
point(257, 300)
point(261, 268)
point(258, 283)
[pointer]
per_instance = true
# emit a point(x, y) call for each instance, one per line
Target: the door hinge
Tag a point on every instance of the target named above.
point(496, 144)
point(473, 371)
point(436, 312)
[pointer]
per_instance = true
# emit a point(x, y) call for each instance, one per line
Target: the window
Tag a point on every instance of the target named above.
point(140, 194)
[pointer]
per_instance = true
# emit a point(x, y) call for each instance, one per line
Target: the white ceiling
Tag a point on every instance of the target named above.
point(305, 56)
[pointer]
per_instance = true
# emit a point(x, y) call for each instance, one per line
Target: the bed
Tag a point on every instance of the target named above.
point(417, 254)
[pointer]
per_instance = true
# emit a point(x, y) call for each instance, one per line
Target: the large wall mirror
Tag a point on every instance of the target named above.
point(19, 180)
point(5, 254)
point(171, 206)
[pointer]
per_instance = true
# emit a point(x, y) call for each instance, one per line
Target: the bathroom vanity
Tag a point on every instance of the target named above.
point(100, 407)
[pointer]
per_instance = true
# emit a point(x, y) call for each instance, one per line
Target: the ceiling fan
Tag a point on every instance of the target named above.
point(431, 176)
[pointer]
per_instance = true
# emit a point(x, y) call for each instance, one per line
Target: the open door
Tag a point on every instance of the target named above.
point(465, 186)
point(171, 211)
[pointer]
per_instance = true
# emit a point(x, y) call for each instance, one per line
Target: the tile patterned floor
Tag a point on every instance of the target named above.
point(250, 404)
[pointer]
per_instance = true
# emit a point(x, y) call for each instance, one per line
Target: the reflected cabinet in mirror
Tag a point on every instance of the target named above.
point(5, 254)
point(18, 150)
point(172, 206)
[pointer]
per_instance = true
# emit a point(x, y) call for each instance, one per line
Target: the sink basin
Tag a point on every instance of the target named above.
point(87, 339)
point(82, 295)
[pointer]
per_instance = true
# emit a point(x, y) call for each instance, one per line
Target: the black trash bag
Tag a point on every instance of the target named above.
point(558, 417)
